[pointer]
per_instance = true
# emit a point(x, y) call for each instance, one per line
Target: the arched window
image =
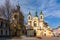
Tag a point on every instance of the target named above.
point(29, 17)
point(45, 32)
point(35, 23)
point(41, 17)
point(30, 22)
point(15, 16)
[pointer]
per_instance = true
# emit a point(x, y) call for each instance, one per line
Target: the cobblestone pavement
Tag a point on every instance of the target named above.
point(31, 38)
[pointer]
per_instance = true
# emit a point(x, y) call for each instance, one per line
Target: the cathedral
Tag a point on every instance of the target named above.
point(40, 27)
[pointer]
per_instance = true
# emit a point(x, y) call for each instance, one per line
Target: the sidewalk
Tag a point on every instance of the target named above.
point(34, 38)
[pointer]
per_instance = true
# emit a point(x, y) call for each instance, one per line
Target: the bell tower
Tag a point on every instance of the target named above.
point(41, 17)
point(29, 18)
point(15, 14)
point(41, 20)
point(16, 30)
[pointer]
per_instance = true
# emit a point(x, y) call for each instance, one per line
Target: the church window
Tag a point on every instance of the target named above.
point(29, 18)
point(30, 22)
point(35, 23)
point(45, 33)
point(15, 16)
point(41, 17)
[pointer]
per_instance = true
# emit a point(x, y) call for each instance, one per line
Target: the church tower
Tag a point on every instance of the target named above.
point(16, 14)
point(15, 25)
point(29, 18)
point(41, 19)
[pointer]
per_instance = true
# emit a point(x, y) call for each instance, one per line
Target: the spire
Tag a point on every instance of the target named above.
point(41, 13)
point(36, 14)
point(18, 7)
point(29, 13)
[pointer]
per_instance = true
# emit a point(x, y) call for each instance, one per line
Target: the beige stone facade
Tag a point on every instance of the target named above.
point(38, 24)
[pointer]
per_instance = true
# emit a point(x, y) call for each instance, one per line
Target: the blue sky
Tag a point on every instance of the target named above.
point(50, 9)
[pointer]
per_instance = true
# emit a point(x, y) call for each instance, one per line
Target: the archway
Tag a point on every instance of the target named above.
point(34, 33)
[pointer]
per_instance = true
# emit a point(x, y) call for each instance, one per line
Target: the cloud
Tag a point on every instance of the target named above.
point(50, 8)
point(47, 6)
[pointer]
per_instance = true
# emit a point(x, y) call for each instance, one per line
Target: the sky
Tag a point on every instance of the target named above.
point(50, 9)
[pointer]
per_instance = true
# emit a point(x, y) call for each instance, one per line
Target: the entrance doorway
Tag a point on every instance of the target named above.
point(34, 33)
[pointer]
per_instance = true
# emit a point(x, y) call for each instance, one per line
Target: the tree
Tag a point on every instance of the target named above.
point(6, 10)
point(22, 22)
point(7, 6)
point(21, 19)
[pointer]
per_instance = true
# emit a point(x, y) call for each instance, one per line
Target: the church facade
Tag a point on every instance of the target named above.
point(40, 27)
point(15, 27)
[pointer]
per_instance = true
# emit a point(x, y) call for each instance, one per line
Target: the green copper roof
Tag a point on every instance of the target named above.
point(36, 14)
point(41, 13)
point(29, 13)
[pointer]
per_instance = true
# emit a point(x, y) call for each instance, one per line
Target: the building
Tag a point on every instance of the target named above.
point(30, 31)
point(16, 24)
point(39, 25)
point(4, 27)
point(56, 31)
